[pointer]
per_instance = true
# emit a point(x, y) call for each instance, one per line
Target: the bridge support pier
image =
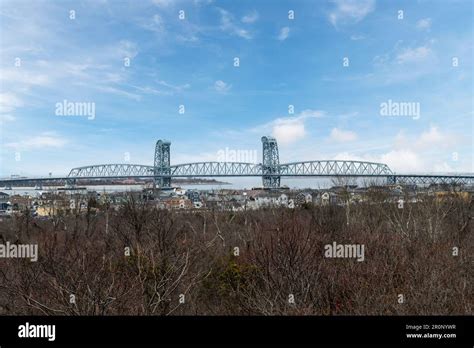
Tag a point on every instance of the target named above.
point(391, 180)
point(70, 183)
point(270, 163)
point(162, 164)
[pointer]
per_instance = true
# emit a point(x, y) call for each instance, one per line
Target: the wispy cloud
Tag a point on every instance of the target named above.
point(163, 3)
point(222, 87)
point(9, 102)
point(228, 25)
point(413, 154)
point(70, 72)
point(203, 2)
point(426, 140)
point(177, 88)
point(289, 129)
point(357, 37)
point(117, 91)
point(391, 67)
point(342, 136)
point(46, 139)
point(154, 24)
point(284, 33)
point(416, 54)
point(424, 24)
point(250, 17)
point(25, 77)
point(6, 118)
point(127, 49)
point(149, 90)
point(350, 11)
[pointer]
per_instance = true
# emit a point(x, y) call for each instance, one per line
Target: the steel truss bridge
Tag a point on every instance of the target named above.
point(270, 170)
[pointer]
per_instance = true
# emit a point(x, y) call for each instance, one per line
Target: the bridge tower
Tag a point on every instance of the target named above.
point(162, 163)
point(270, 163)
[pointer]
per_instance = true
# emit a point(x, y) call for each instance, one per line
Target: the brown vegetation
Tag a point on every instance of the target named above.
point(408, 251)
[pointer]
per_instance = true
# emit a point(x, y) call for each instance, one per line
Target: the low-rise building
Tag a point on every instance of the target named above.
point(177, 203)
point(4, 196)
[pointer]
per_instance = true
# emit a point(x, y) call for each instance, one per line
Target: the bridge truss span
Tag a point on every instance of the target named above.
point(112, 170)
point(433, 179)
point(334, 168)
point(203, 169)
point(216, 169)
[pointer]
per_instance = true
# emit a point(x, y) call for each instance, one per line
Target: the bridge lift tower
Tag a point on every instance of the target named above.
point(270, 163)
point(162, 164)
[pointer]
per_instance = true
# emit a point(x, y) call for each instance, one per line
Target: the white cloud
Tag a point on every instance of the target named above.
point(289, 129)
point(177, 88)
point(342, 136)
point(6, 118)
point(46, 139)
point(443, 167)
point(403, 161)
point(251, 17)
point(127, 49)
point(154, 24)
point(357, 37)
point(413, 154)
point(414, 150)
point(424, 24)
point(310, 113)
point(9, 102)
point(91, 71)
point(202, 2)
point(222, 87)
point(350, 11)
point(417, 54)
point(24, 77)
point(400, 161)
point(431, 137)
point(284, 32)
point(427, 140)
point(228, 25)
point(163, 3)
point(117, 91)
point(390, 67)
point(190, 38)
point(150, 90)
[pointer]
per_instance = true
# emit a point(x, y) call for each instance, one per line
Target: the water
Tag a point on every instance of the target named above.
point(237, 184)
point(32, 192)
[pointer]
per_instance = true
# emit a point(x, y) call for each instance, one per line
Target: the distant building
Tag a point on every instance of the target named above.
point(303, 198)
point(179, 191)
point(4, 196)
point(283, 199)
point(193, 196)
point(327, 198)
point(177, 203)
point(4, 206)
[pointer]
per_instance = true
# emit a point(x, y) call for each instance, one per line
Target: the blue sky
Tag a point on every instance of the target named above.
point(190, 62)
